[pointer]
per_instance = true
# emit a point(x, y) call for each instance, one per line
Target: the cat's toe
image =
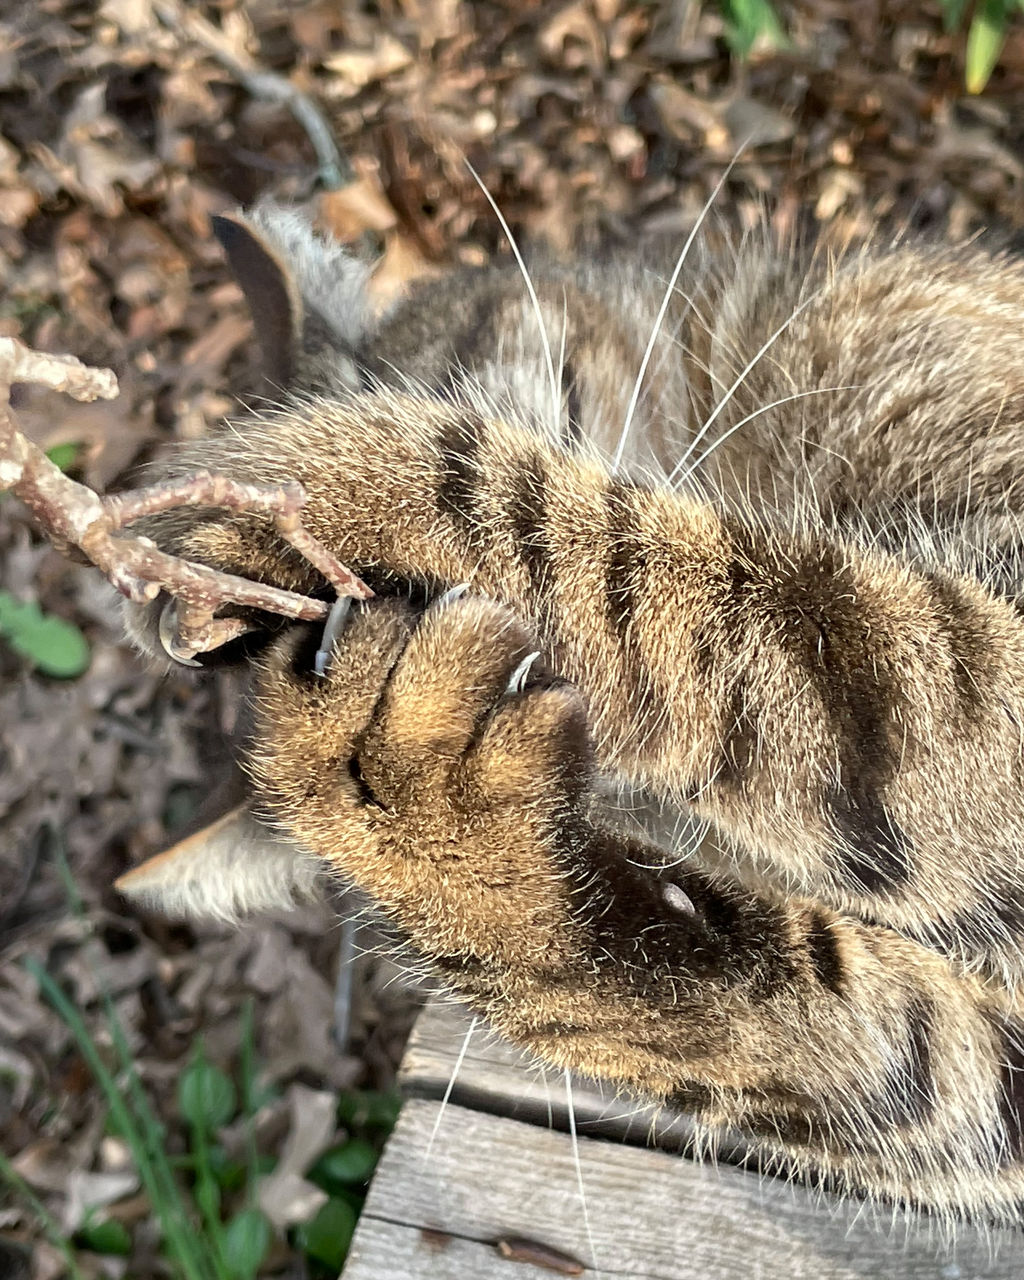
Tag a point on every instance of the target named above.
point(316, 691)
point(456, 668)
point(445, 711)
point(535, 751)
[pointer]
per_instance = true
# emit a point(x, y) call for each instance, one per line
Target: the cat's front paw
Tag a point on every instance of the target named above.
point(432, 764)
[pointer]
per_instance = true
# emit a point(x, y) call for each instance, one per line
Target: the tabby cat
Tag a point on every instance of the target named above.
point(738, 532)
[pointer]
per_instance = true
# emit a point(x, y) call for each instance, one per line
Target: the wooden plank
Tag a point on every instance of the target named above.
point(437, 1211)
point(499, 1079)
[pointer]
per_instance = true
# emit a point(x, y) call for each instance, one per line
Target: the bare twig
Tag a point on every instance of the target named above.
point(72, 515)
point(335, 170)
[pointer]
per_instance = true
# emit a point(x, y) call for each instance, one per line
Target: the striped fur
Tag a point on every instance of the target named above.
point(813, 644)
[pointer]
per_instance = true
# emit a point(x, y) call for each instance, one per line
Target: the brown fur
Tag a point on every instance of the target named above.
point(814, 645)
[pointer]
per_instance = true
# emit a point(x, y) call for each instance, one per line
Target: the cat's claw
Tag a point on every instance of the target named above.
point(336, 620)
point(455, 593)
point(677, 899)
point(167, 629)
point(517, 680)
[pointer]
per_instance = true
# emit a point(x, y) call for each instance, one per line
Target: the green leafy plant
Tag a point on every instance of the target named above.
point(986, 35)
point(204, 1200)
point(208, 1100)
point(753, 24)
point(344, 1172)
point(52, 645)
point(65, 455)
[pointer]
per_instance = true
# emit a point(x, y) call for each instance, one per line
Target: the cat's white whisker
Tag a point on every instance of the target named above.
point(740, 379)
point(579, 1169)
point(460, 1058)
point(659, 320)
point(800, 395)
point(556, 426)
point(556, 392)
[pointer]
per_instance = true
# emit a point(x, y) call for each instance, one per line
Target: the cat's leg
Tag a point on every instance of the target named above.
point(851, 721)
point(432, 768)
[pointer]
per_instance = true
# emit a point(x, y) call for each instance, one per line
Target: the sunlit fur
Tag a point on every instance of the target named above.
point(790, 614)
point(231, 870)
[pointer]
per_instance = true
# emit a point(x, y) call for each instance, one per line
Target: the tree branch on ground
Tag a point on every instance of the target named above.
point(72, 515)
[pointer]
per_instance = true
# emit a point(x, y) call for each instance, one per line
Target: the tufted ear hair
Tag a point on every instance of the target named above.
point(306, 293)
point(233, 868)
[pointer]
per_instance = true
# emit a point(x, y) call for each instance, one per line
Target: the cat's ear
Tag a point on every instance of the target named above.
point(307, 294)
point(234, 868)
point(270, 290)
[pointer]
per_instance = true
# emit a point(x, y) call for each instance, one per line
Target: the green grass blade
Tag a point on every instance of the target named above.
point(178, 1235)
point(953, 13)
point(171, 1206)
point(207, 1193)
point(247, 1070)
point(50, 1228)
point(985, 42)
point(143, 1130)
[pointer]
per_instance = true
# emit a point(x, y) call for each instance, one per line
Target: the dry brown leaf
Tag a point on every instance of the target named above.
point(285, 1196)
point(574, 38)
point(359, 67)
point(90, 1191)
point(356, 208)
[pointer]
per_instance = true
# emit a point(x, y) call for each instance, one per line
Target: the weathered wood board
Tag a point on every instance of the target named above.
point(438, 1210)
point(495, 1077)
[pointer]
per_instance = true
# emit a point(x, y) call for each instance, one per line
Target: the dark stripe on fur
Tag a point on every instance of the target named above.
point(716, 639)
point(573, 433)
point(692, 1098)
point(527, 513)
point(970, 645)
point(874, 854)
point(457, 964)
point(740, 740)
point(824, 953)
point(1009, 1033)
point(625, 585)
point(627, 559)
point(907, 1096)
point(459, 446)
point(811, 609)
point(910, 1092)
point(779, 1126)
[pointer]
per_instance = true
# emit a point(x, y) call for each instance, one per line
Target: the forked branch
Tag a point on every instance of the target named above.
point(72, 515)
